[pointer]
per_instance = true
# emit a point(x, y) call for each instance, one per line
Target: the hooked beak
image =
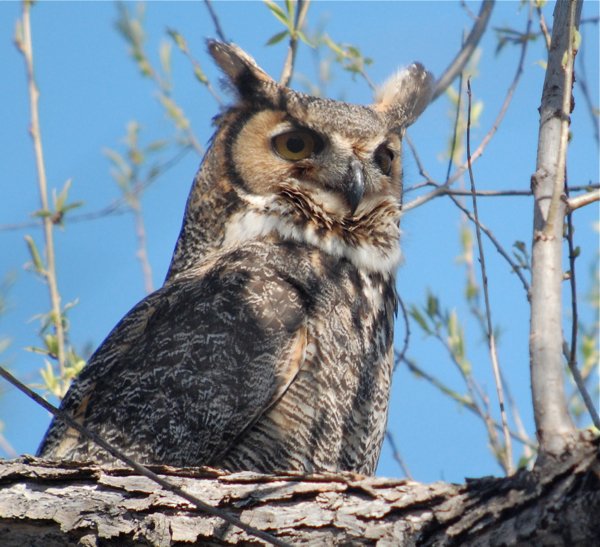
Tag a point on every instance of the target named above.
point(355, 185)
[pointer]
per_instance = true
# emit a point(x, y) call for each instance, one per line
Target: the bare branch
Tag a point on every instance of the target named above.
point(507, 453)
point(543, 26)
point(582, 80)
point(554, 426)
point(488, 137)
point(25, 46)
point(142, 247)
point(288, 65)
point(515, 268)
point(463, 56)
point(406, 341)
point(216, 22)
point(581, 201)
point(396, 454)
point(470, 405)
point(571, 353)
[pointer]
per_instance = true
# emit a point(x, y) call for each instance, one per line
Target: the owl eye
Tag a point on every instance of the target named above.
point(296, 145)
point(384, 158)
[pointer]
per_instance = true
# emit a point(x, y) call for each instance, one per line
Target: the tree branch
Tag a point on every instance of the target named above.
point(49, 503)
point(507, 455)
point(215, 20)
point(463, 56)
point(554, 426)
point(583, 200)
point(24, 44)
point(288, 65)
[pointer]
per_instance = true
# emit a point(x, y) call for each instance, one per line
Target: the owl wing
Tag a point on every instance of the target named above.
point(188, 369)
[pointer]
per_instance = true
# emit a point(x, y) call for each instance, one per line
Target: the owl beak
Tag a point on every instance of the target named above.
point(355, 185)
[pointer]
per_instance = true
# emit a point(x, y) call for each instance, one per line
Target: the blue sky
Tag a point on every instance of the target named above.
point(90, 90)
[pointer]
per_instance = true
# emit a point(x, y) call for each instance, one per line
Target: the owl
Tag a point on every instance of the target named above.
point(269, 347)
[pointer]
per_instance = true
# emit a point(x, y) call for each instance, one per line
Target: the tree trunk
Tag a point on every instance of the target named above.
point(55, 504)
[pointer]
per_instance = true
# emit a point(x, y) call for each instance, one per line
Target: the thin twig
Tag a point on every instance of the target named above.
point(488, 137)
point(572, 350)
point(140, 234)
point(215, 19)
point(25, 45)
point(406, 341)
point(582, 80)
point(396, 454)
point(463, 56)
point(514, 267)
point(488, 312)
point(530, 447)
point(467, 403)
point(543, 25)
point(288, 65)
point(495, 193)
point(455, 130)
point(117, 207)
point(581, 387)
point(141, 469)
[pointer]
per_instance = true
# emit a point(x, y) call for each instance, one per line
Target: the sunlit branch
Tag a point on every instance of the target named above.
point(583, 200)
point(25, 45)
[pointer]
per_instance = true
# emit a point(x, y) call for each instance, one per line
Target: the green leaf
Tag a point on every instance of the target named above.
point(155, 146)
point(305, 39)
point(199, 74)
point(279, 14)
point(276, 38)
point(433, 306)
point(51, 343)
point(41, 213)
point(174, 112)
point(36, 259)
point(179, 40)
point(289, 7)
point(164, 53)
point(420, 320)
point(61, 199)
point(35, 349)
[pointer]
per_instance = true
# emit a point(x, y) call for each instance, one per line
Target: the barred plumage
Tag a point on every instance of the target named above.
point(269, 347)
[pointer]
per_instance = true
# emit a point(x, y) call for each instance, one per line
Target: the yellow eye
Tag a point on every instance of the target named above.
point(295, 145)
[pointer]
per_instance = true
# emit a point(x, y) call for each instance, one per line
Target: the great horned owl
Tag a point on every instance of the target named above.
point(269, 347)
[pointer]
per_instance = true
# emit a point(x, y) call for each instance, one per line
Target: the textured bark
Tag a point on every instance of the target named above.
point(55, 504)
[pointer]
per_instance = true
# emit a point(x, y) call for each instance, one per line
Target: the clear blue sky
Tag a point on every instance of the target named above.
point(90, 89)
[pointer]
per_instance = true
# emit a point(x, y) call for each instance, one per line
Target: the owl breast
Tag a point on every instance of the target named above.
point(333, 415)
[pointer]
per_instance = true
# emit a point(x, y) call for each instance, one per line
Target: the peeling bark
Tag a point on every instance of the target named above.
point(50, 504)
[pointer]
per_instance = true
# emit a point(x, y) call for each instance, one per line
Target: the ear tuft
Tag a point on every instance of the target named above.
point(405, 95)
point(241, 69)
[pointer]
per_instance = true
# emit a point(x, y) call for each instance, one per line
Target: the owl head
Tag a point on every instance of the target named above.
point(314, 171)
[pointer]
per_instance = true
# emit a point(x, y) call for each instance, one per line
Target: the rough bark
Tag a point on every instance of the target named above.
point(55, 504)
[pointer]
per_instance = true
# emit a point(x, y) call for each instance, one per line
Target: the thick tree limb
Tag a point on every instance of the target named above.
point(553, 424)
point(51, 503)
